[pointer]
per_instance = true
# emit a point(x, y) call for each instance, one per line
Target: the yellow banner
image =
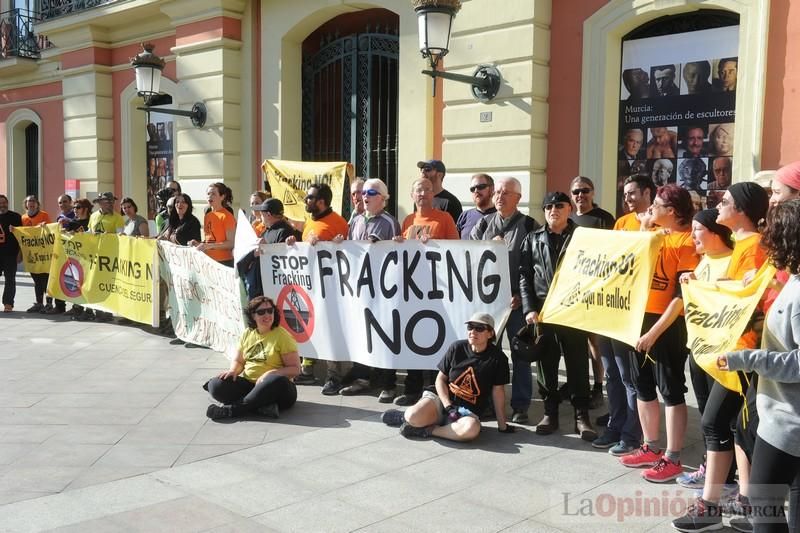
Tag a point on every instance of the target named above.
point(36, 246)
point(289, 181)
point(717, 315)
point(114, 272)
point(603, 282)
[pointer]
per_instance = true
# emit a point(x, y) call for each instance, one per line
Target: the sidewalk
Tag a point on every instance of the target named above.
point(103, 428)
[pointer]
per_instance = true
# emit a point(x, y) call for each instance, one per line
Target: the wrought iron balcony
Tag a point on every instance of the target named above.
point(50, 9)
point(17, 38)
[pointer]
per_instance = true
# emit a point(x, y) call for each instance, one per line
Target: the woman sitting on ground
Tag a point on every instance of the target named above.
point(259, 380)
point(470, 371)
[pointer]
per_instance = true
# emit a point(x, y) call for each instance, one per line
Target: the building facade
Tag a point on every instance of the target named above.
point(340, 80)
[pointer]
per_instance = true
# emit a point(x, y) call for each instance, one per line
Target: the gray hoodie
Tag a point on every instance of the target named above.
point(778, 365)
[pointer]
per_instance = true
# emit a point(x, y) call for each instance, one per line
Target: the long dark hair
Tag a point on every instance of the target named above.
point(781, 237)
point(174, 219)
point(254, 304)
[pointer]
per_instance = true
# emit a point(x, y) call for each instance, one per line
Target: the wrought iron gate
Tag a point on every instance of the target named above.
point(350, 105)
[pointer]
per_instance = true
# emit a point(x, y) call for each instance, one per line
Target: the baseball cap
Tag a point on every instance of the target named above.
point(270, 205)
point(105, 196)
point(435, 164)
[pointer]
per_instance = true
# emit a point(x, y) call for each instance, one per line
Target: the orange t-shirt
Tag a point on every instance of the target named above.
point(215, 226)
point(258, 227)
point(436, 225)
point(747, 255)
point(628, 222)
point(677, 255)
point(326, 228)
point(36, 219)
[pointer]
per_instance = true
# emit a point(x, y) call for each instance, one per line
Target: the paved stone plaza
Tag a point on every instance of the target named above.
point(103, 428)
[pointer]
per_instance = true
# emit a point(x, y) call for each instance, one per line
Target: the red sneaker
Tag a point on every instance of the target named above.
point(665, 470)
point(644, 456)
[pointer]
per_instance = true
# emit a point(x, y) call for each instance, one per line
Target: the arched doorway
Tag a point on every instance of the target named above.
point(350, 94)
point(24, 156)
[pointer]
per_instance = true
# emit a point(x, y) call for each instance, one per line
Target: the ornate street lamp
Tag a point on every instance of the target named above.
point(434, 22)
point(148, 67)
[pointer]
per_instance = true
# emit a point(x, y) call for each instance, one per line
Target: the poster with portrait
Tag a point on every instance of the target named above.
point(678, 111)
point(160, 158)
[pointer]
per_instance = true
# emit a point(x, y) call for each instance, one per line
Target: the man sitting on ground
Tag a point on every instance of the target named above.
point(470, 371)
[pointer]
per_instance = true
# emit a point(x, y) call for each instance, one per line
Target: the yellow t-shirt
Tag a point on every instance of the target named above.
point(712, 268)
point(110, 223)
point(262, 353)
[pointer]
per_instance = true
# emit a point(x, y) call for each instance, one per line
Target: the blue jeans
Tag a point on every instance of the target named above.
point(623, 420)
point(521, 381)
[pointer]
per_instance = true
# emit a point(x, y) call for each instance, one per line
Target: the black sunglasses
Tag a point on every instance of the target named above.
point(559, 205)
point(426, 169)
point(310, 197)
point(263, 311)
point(576, 192)
point(480, 328)
point(478, 187)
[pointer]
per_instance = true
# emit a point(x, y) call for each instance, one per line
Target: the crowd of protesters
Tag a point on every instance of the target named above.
point(751, 226)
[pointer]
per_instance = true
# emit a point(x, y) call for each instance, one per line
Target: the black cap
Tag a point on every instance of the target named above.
point(435, 164)
point(751, 199)
point(708, 218)
point(270, 205)
point(554, 198)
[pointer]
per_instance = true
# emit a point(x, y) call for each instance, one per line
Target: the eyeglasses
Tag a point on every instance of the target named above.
point(264, 310)
point(559, 205)
point(480, 328)
point(310, 197)
point(725, 202)
point(478, 187)
point(576, 192)
point(370, 192)
point(426, 169)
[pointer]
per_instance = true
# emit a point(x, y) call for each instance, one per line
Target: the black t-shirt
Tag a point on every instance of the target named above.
point(446, 201)
point(9, 247)
point(596, 218)
point(471, 375)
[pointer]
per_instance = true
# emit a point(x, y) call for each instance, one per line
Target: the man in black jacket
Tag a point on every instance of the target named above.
point(541, 254)
point(9, 252)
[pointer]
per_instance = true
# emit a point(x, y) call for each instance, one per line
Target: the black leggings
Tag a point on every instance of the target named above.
point(773, 470)
point(719, 418)
point(245, 396)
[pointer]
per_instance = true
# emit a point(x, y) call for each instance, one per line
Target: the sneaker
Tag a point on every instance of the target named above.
point(102, 316)
point(604, 441)
point(738, 506)
point(622, 448)
point(85, 316)
point(742, 523)
point(702, 516)
point(407, 399)
point(35, 308)
point(643, 456)
point(177, 342)
point(55, 310)
point(602, 420)
point(331, 387)
point(387, 396)
point(596, 400)
point(47, 309)
point(269, 411)
point(411, 432)
point(358, 386)
point(664, 470)
point(519, 416)
point(305, 379)
point(7, 308)
point(393, 417)
point(693, 480)
point(215, 412)
point(730, 491)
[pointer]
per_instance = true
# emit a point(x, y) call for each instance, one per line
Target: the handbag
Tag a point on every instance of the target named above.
point(529, 344)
